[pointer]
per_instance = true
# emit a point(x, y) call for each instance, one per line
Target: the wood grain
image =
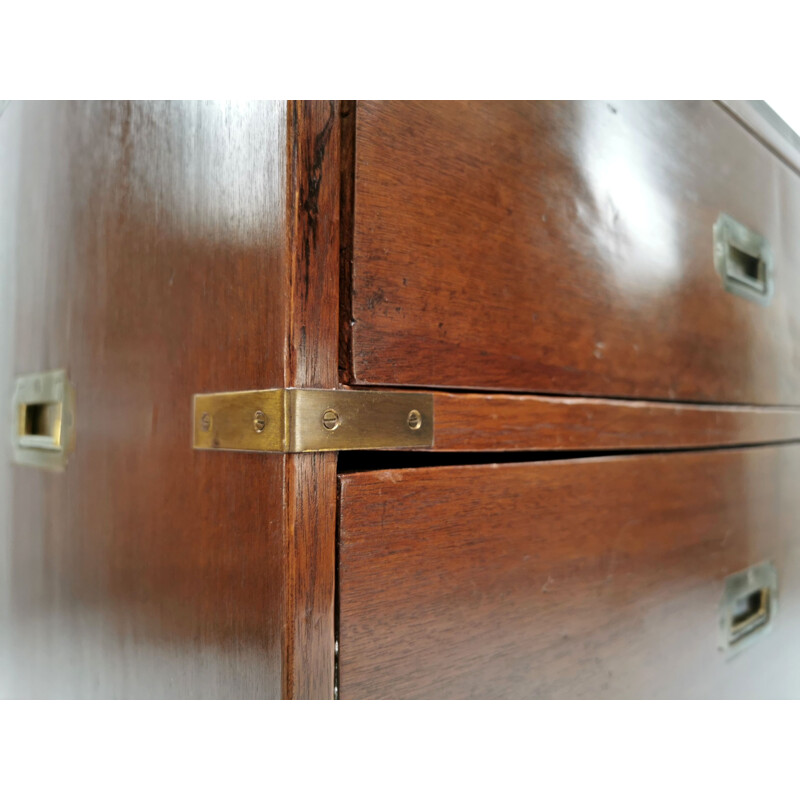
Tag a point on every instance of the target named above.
point(347, 167)
point(159, 250)
point(313, 228)
point(313, 327)
point(310, 569)
point(496, 422)
point(566, 248)
point(147, 239)
point(587, 578)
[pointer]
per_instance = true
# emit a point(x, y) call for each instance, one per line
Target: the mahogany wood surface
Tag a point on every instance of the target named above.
point(156, 250)
point(580, 578)
point(479, 422)
point(313, 327)
point(566, 248)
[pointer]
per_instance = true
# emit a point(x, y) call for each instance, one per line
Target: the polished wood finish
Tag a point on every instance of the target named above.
point(347, 166)
point(506, 422)
point(567, 248)
point(158, 250)
point(146, 237)
point(310, 574)
point(313, 204)
point(584, 578)
point(313, 326)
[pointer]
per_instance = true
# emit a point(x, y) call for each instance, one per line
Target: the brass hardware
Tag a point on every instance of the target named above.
point(43, 428)
point(744, 260)
point(312, 420)
point(259, 421)
point(330, 420)
point(748, 606)
point(750, 612)
point(227, 421)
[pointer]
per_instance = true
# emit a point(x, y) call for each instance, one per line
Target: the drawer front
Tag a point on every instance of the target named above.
point(585, 578)
point(568, 248)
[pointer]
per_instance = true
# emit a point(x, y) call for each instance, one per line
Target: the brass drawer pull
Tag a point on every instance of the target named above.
point(743, 259)
point(749, 603)
point(43, 428)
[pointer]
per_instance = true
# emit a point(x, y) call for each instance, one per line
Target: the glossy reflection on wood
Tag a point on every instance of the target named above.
point(567, 248)
point(157, 252)
point(587, 578)
point(497, 422)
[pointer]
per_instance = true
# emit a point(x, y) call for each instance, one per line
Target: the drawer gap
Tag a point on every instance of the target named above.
point(376, 460)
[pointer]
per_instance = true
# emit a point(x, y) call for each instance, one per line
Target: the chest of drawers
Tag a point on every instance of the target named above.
point(399, 400)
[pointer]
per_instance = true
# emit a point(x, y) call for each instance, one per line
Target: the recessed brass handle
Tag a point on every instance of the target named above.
point(743, 259)
point(748, 607)
point(43, 425)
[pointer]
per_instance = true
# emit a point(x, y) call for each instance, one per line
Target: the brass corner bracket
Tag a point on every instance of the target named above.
point(312, 420)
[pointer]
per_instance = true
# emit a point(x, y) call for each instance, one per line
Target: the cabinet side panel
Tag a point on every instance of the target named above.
point(147, 241)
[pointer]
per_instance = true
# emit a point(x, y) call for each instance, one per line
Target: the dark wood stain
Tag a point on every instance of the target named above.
point(146, 240)
point(564, 248)
point(312, 362)
point(314, 278)
point(479, 422)
point(347, 198)
point(589, 578)
point(156, 250)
